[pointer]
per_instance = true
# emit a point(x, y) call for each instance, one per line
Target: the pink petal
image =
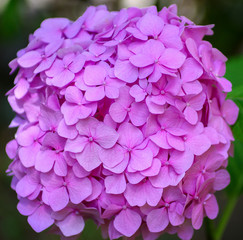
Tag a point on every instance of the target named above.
point(94, 75)
point(112, 157)
point(211, 207)
point(29, 59)
point(25, 186)
point(66, 131)
point(230, 111)
point(60, 166)
point(89, 158)
point(63, 78)
point(27, 155)
point(138, 114)
point(58, 198)
point(115, 184)
point(130, 136)
point(106, 136)
point(41, 219)
point(181, 161)
point(71, 225)
point(150, 24)
point(141, 159)
point(141, 60)
point(73, 95)
point(198, 144)
point(157, 220)
point(95, 93)
point(222, 179)
point(175, 142)
point(172, 58)
point(160, 139)
point(117, 112)
point(127, 222)
point(27, 207)
point(79, 189)
point(76, 145)
point(45, 160)
point(125, 71)
point(197, 216)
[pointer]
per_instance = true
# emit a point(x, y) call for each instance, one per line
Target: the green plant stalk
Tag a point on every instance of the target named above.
point(232, 200)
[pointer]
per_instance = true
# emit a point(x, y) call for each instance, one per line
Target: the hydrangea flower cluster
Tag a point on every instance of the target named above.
point(122, 118)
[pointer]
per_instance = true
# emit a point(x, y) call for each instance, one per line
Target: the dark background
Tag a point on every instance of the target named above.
point(19, 18)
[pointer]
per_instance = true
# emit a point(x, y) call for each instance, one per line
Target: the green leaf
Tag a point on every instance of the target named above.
point(235, 167)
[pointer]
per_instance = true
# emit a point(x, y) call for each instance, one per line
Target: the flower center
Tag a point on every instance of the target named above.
point(91, 139)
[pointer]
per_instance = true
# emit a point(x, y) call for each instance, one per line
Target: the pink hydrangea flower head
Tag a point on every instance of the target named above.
point(123, 119)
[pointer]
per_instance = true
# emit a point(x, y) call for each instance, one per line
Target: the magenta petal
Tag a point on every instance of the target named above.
point(175, 142)
point(115, 184)
point(127, 222)
point(160, 139)
point(125, 71)
point(157, 220)
point(222, 179)
point(58, 198)
point(29, 59)
point(71, 225)
point(41, 219)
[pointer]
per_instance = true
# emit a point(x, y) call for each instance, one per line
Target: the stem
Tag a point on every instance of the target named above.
point(209, 229)
point(233, 198)
point(225, 217)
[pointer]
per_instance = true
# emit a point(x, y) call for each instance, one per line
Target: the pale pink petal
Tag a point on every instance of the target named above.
point(150, 24)
point(222, 179)
point(141, 159)
point(95, 93)
point(138, 114)
point(45, 160)
point(60, 166)
point(230, 111)
point(129, 135)
point(63, 78)
point(172, 58)
point(29, 59)
point(41, 219)
point(197, 216)
point(160, 139)
point(198, 144)
point(79, 189)
point(112, 157)
point(71, 225)
point(89, 158)
point(125, 71)
point(117, 112)
point(175, 142)
point(141, 60)
point(58, 198)
point(94, 75)
point(76, 145)
point(127, 222)
point(157, 220)
point(115, 184)
point(211, 207)
point(105, 136)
